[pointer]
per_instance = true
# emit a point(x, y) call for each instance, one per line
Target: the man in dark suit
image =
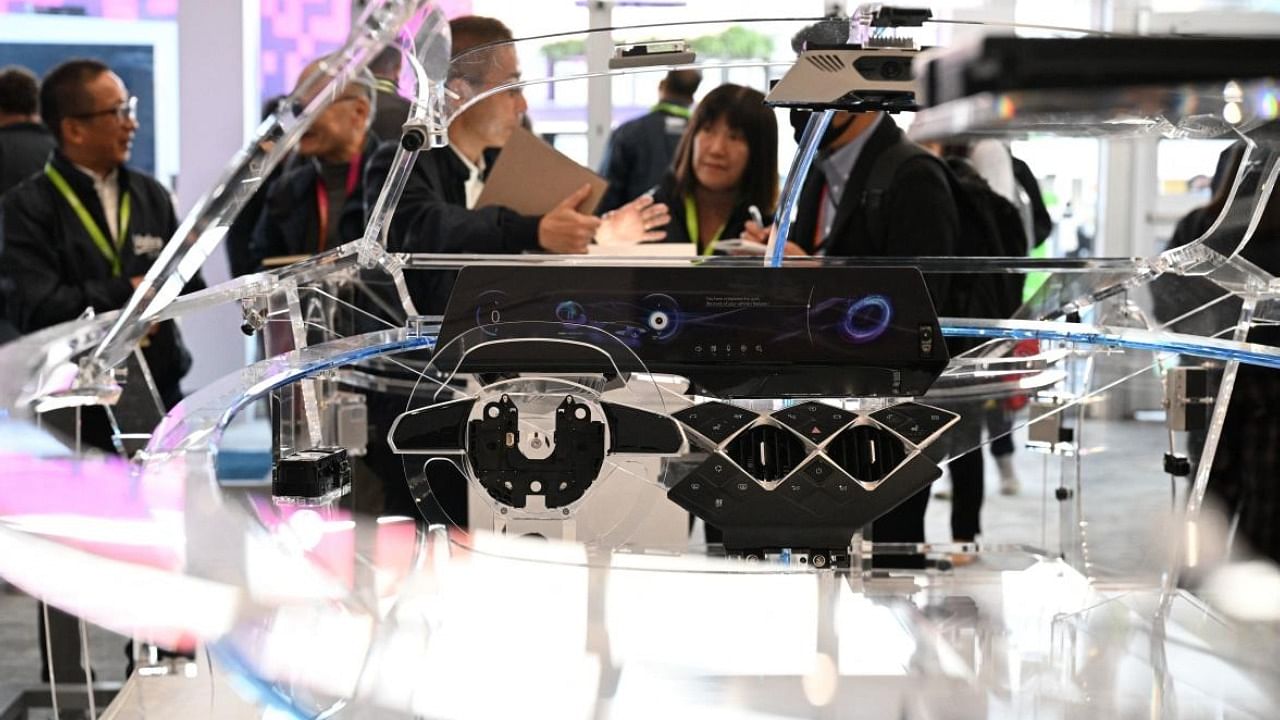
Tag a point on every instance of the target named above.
point(914, 215)
point(640, 151)
point(437, 212)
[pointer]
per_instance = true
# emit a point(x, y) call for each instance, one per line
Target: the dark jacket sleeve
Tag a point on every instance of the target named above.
point(1041, 222)
point(267, 239)
point(426, 222)
point(239, 240)
point(617, 160)
point(922, 218)
point(41, 295)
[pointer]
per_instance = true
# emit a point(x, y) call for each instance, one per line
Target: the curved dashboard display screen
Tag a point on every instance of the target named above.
point(733, 331)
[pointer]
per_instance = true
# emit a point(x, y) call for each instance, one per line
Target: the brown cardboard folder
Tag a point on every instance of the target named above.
point(531, 177)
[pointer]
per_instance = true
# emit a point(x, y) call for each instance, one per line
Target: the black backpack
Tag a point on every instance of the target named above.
point(990, 226)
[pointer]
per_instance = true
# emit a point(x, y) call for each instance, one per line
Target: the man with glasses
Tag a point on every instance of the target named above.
point(319, 203)
point(437, 212)
point(78, 235)
point(81, 233)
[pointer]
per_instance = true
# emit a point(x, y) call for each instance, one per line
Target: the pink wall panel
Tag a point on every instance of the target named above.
point(293, 31)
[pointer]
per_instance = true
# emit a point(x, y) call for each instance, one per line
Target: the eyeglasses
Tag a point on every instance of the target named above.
point(127, 110)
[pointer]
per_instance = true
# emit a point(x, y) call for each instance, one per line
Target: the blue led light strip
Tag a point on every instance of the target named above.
point(1156, 341)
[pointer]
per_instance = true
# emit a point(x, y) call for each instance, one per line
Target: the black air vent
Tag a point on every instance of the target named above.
point(767, 453)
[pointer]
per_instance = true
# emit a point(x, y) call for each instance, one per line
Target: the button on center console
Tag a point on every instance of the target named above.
point(815, 421)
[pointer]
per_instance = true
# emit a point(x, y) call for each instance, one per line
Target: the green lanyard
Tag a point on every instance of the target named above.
point(110, 251)
point(691, 225)
point(673, 109)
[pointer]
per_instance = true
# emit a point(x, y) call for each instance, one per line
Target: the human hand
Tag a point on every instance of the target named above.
point(564, 229)
point(639, 221)
point(753, 232)
point(136, 280)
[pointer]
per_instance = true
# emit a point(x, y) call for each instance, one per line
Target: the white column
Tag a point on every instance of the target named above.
point(218, 48)
point(599, 90)
point(1127, 184)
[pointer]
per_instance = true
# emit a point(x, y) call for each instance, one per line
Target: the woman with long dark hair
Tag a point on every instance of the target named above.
point(723, 183)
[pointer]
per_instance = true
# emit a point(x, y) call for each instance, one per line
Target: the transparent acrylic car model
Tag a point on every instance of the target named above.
point(324, 615)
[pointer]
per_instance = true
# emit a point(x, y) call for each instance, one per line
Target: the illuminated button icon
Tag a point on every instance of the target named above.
point(744, 348)
point(713, 348)
point(759, 348)
point(697, 348)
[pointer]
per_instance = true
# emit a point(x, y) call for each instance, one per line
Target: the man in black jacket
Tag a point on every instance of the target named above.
point(80, 235)
point(640, 151)
point(25, 144)
point(437, 212)
point(84, 232)
point(319, 203)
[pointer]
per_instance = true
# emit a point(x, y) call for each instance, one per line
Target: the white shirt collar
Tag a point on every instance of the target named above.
point(110, 177)
point(474, 183)
point(107, 189)
point(839, 164)
point(836, 168)
point(474, 169)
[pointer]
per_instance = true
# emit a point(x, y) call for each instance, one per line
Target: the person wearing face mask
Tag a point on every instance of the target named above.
point(725, 168)
point(842, 213)
point(319, 203)
point(836, 215)
point(437, 213)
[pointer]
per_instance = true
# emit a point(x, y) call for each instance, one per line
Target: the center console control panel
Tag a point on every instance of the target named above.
point(807, 477)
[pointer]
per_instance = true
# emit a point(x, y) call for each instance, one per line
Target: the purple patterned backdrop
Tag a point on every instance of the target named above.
point(296, 31)
point(293, 31)
point(114, 9)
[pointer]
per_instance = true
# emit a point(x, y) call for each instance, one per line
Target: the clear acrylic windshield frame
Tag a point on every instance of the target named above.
point(186, 443)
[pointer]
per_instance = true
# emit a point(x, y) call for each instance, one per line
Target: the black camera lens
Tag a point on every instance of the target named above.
point(891, 70)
